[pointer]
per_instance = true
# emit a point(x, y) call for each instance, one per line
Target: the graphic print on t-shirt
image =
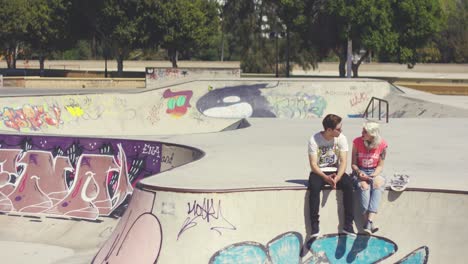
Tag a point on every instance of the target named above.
point(328, 156)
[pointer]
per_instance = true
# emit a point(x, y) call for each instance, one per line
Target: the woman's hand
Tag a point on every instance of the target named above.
point(363, 177)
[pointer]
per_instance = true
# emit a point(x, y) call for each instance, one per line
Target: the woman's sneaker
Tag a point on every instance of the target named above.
point(368, 227)
point(374, 228)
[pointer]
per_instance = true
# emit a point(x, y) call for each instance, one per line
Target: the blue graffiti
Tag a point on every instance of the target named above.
point(247, 253)
point(418, 256)
point(354, 249)
point(285, 249)
point(333, 248)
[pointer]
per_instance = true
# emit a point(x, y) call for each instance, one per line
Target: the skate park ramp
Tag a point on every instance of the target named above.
point(70, 194)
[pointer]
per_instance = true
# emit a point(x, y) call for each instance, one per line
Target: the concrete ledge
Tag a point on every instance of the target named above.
point(73, 83)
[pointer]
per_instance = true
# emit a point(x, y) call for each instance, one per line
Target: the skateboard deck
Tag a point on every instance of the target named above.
point(399, 182)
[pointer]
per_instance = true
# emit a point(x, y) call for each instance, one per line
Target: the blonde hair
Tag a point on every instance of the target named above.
point(373, 130)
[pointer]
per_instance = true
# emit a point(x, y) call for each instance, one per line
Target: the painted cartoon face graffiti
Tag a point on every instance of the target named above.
point(178, 102)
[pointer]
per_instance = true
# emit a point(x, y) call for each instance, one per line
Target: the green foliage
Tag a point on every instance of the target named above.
point(48, 28)
point(186, 25)
point(14, 19)
point(82, 50)
point(415, 21)
point(453, 41)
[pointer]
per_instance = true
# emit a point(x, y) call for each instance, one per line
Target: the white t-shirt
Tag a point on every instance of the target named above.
point(328, 152)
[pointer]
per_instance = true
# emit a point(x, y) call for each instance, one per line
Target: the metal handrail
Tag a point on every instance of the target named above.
point(371, 102)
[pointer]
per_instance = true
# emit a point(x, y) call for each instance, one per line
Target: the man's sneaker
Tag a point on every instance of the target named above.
point(315, 230)
point(368, 227)
point(348, 229)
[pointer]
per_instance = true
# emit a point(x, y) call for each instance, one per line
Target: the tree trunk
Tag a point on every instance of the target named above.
point(8, 58)
point(287, 53)
point(341, 53)
point(173, 57)
point(120, 64)
point(41, 65)
point(11, 58)
point(355, 66)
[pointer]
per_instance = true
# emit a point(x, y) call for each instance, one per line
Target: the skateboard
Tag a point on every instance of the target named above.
point(399, 182)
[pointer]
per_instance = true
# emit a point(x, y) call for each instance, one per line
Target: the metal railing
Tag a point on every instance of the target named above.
point(371, 102)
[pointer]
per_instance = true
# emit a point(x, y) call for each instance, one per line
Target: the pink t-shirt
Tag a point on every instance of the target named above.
point(368, 158)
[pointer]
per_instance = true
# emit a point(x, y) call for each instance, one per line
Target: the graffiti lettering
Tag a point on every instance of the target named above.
point(207, 211)
point(358, 98)
point(33, 117)
point(168, 159)
point(151, 150)
point(300, 106)
point(70, 178)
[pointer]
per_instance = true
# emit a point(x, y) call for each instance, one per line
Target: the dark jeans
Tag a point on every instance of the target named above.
point(315, 186)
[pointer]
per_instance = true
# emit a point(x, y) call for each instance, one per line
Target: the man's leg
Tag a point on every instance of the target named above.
point(346, 185)
point(315, 186)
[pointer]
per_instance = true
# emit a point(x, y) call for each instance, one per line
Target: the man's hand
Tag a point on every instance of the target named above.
point(331, 180)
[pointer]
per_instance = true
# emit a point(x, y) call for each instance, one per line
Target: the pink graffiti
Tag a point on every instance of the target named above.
point(358, 98)
point(137, 227)
point(32, 117)
point(41, 183)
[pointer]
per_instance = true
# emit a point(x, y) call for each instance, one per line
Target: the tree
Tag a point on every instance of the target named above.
point(118, 27)
point(186, 25)
point(247, 34)
point(452, 42)
point(14, 17)
point(366, 23)
point(294, 17)
point(48, 29)
point(415, 22)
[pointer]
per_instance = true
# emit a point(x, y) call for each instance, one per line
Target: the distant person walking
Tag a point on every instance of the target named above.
point(327, 157)
point(368, 156)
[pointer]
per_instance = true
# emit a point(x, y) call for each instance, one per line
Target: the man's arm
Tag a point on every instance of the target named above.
point(343, 163)
point(316, 169)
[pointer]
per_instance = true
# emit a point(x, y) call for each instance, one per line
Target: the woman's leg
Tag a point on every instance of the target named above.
point(364, 198)
point(376, 193)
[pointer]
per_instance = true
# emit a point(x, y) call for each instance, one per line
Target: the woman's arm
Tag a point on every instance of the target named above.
point(380, 166)
point(354, 165)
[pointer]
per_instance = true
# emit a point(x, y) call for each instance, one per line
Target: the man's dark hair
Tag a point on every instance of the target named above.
point(331, 121)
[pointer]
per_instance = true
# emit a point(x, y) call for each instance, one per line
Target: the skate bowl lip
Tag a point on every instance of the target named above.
point(154, 188)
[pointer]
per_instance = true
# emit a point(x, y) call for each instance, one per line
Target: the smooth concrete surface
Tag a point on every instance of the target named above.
point(277, 153)
point(245, 200)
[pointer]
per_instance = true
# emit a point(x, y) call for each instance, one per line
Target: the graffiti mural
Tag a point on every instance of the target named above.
point(73, 177)
point(33, 117)
point(166, 74)
point(236, 102)
point(331, 248)
point(254, 101)
point(178, 102)
point(299, 105)
point(420, 255)
point(138, 236)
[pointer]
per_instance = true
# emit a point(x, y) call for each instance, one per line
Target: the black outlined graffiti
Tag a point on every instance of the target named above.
point(206, 211)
